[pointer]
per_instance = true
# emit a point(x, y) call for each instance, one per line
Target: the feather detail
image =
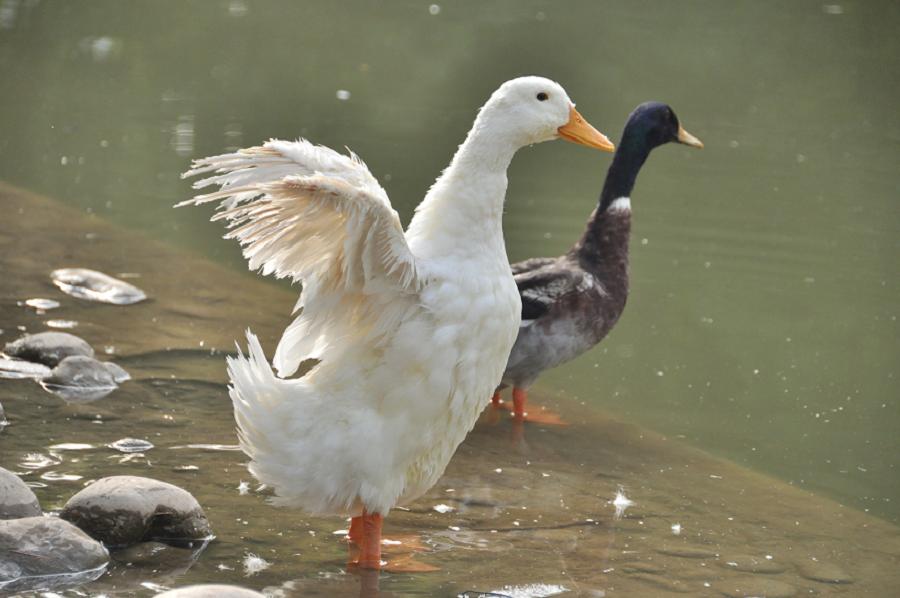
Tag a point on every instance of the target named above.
point(311, 214)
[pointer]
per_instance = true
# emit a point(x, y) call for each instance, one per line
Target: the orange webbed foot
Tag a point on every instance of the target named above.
point(536, 414)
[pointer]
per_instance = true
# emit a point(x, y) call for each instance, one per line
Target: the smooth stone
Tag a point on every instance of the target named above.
point(80, 379)
point(47, 552)
point(48, 348)
point(124, 510)
point(751, 564)
point(686, 552)
point(42, 304)
point(131, 445)
point(746, 587)
point(16, 498)
point(823, 571)
point(118, 372)
point(17, 369)
point(210, 591)
point(96, 286)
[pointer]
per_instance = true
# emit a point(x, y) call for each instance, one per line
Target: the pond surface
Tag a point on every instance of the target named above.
point(761, 328)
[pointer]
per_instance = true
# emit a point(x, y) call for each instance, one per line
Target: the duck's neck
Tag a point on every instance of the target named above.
point(462, 214)
point(603, 248)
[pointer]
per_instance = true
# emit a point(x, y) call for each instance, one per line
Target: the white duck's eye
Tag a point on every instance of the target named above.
point(542, 96)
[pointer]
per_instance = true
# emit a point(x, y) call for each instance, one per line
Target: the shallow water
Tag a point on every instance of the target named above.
point(762, 322)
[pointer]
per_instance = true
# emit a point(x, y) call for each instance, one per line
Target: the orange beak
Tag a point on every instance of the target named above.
point(580, 131)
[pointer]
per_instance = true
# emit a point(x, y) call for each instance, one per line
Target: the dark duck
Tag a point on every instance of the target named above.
point(571, 302)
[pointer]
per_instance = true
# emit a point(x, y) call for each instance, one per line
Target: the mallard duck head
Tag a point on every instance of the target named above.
point(654, 124)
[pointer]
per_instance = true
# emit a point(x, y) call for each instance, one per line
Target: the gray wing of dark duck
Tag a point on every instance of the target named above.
point(531, 264)
point(556, 320)
point(546, 287)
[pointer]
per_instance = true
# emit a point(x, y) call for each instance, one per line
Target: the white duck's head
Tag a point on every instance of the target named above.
point(531, 110)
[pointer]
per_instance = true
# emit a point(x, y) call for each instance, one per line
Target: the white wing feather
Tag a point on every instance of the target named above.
point(312, 214)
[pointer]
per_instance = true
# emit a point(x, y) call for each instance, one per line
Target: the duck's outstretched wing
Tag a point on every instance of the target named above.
point(310, 213)
point(314, 215)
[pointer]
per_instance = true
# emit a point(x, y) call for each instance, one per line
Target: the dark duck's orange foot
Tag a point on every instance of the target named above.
point(535, 413)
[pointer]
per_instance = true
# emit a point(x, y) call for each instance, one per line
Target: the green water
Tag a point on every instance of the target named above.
point(762, 322)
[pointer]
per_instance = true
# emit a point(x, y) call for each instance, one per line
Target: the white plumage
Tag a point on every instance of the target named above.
point(411, 330)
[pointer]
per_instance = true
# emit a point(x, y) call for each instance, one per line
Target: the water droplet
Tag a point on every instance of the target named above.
point(434, 9)
point(343, 95)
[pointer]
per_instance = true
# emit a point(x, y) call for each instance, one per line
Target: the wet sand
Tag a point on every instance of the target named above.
point(526, 506)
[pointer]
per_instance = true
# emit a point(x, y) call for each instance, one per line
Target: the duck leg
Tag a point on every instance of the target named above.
point(495, 400)
point(367, 537)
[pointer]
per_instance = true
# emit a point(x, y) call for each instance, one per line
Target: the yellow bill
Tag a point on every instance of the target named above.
point(688, 139)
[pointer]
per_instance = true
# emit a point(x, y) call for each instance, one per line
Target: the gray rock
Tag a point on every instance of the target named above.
point(210, 591)
point(41, 304)
point(45, 553)
point(96, 286)
point(823, 571)
point(124, 510)
point(744, 587)
point(751, 564)
point(80, 379)
point(18, 368)
point(16, 498)
point(131, 445)
point(118, 373)
point(48, 348)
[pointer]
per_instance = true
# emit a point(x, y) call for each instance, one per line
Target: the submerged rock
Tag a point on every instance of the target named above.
point(41, 304)
point(211, 591)
point(96, 286)
point(48, 348)
point(686, 551)
point(16, 498)
point(823, 571)
point(3, 421)
point(123, 510)
point(131, 445)
point(81, 379)
point(16, 368)
point(45, 553)
point(118, 372)
point(745, 587)
point(751, 564)
point(157, 562)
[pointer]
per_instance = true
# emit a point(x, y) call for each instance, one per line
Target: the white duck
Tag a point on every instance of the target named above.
point(412, 331)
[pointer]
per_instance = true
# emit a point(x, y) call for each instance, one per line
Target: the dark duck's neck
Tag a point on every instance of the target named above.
point(603, 248)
